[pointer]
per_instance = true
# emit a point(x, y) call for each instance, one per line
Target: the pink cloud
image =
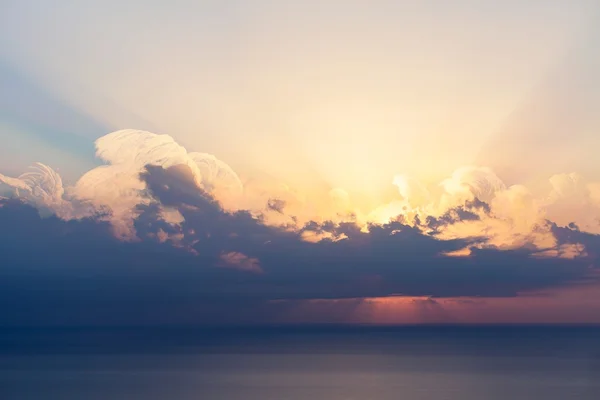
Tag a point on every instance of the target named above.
point(240, 261)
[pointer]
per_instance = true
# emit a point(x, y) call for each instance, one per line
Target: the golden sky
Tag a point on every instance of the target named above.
point(463, 120)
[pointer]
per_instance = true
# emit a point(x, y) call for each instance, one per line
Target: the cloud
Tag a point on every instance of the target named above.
point(468, 183)
point(276, 205)
point(473, 200)
point(511, 217)
point(118, 185)
point(573, 199)
point(241, 261)
point(200, 249)
point(197, 267)
point(467, 212)
point(116, 188)
point(412, 190)
point(41, 186)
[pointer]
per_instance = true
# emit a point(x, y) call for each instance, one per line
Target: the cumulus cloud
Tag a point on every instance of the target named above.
point(511, 216)
point(573, 199)
point(475, 202)
point(218, 177)
point(116, 188)
point(197, 227)
point(215, 261)
point(43, 188)
point(118, 185)
point(467, 183)
point(413, 191)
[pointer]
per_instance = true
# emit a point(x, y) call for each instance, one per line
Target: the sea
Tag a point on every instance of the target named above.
point(301, 363)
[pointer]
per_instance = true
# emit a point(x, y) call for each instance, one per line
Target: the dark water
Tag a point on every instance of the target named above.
point(409, 363)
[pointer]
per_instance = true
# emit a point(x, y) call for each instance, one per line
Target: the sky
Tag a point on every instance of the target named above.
point(208, 162)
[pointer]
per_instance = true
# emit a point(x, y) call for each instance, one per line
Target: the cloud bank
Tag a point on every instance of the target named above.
point(159, 234)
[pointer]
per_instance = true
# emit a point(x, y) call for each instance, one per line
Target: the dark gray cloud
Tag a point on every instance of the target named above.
point(571, 235)
point(276, 205)
point(467, 212)
point(76, 272)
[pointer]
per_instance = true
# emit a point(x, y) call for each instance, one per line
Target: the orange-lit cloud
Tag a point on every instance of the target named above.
point(357, 174)
point(464, 229)
point(510, 216)
point(241, 261)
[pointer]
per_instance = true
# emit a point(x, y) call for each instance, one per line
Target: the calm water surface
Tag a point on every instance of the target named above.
point(454, 363)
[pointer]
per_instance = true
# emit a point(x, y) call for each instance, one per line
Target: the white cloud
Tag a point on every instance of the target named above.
point(511, 217)
point(117, 187)
point(42, 187)
point(467, 183)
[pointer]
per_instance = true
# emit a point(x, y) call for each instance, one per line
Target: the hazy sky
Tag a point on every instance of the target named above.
point(344, 91)
point(475, 121)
